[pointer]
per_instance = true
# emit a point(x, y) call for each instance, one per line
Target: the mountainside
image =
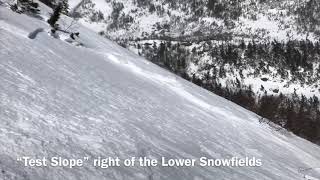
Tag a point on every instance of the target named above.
point(218, 20)
point(200, 26)
point(93, 98)
point(262, 55)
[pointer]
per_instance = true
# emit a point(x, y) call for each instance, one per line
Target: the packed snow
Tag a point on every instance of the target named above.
point(100, 100)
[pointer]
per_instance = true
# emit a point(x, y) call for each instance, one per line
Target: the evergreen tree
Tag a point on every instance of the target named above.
point(50, 3)
point(65, 7)
point(211, 4)
point(26, 6)
point(55, 16)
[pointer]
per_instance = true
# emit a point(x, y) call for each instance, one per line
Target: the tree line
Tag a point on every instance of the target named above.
point(295, 112)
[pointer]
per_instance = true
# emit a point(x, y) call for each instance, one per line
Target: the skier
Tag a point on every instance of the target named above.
point(74, 39)
point(72, 35)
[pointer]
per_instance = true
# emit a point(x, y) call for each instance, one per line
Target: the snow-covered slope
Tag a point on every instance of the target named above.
point(134, 23)
point(236, 20)
point(100, 100)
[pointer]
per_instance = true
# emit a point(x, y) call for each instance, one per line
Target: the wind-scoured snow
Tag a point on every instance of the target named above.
point(100, 100)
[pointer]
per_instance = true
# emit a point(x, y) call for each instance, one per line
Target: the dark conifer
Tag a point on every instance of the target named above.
point(65, 7)
point(55, 16)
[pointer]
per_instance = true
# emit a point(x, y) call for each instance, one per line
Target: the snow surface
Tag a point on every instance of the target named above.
point(73, 3)
point(57, 99)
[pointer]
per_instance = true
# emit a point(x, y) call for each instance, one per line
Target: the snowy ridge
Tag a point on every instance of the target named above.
point(57, 99)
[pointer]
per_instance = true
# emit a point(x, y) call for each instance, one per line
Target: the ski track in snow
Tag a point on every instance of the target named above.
point(12, 29)
point(173, 84)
